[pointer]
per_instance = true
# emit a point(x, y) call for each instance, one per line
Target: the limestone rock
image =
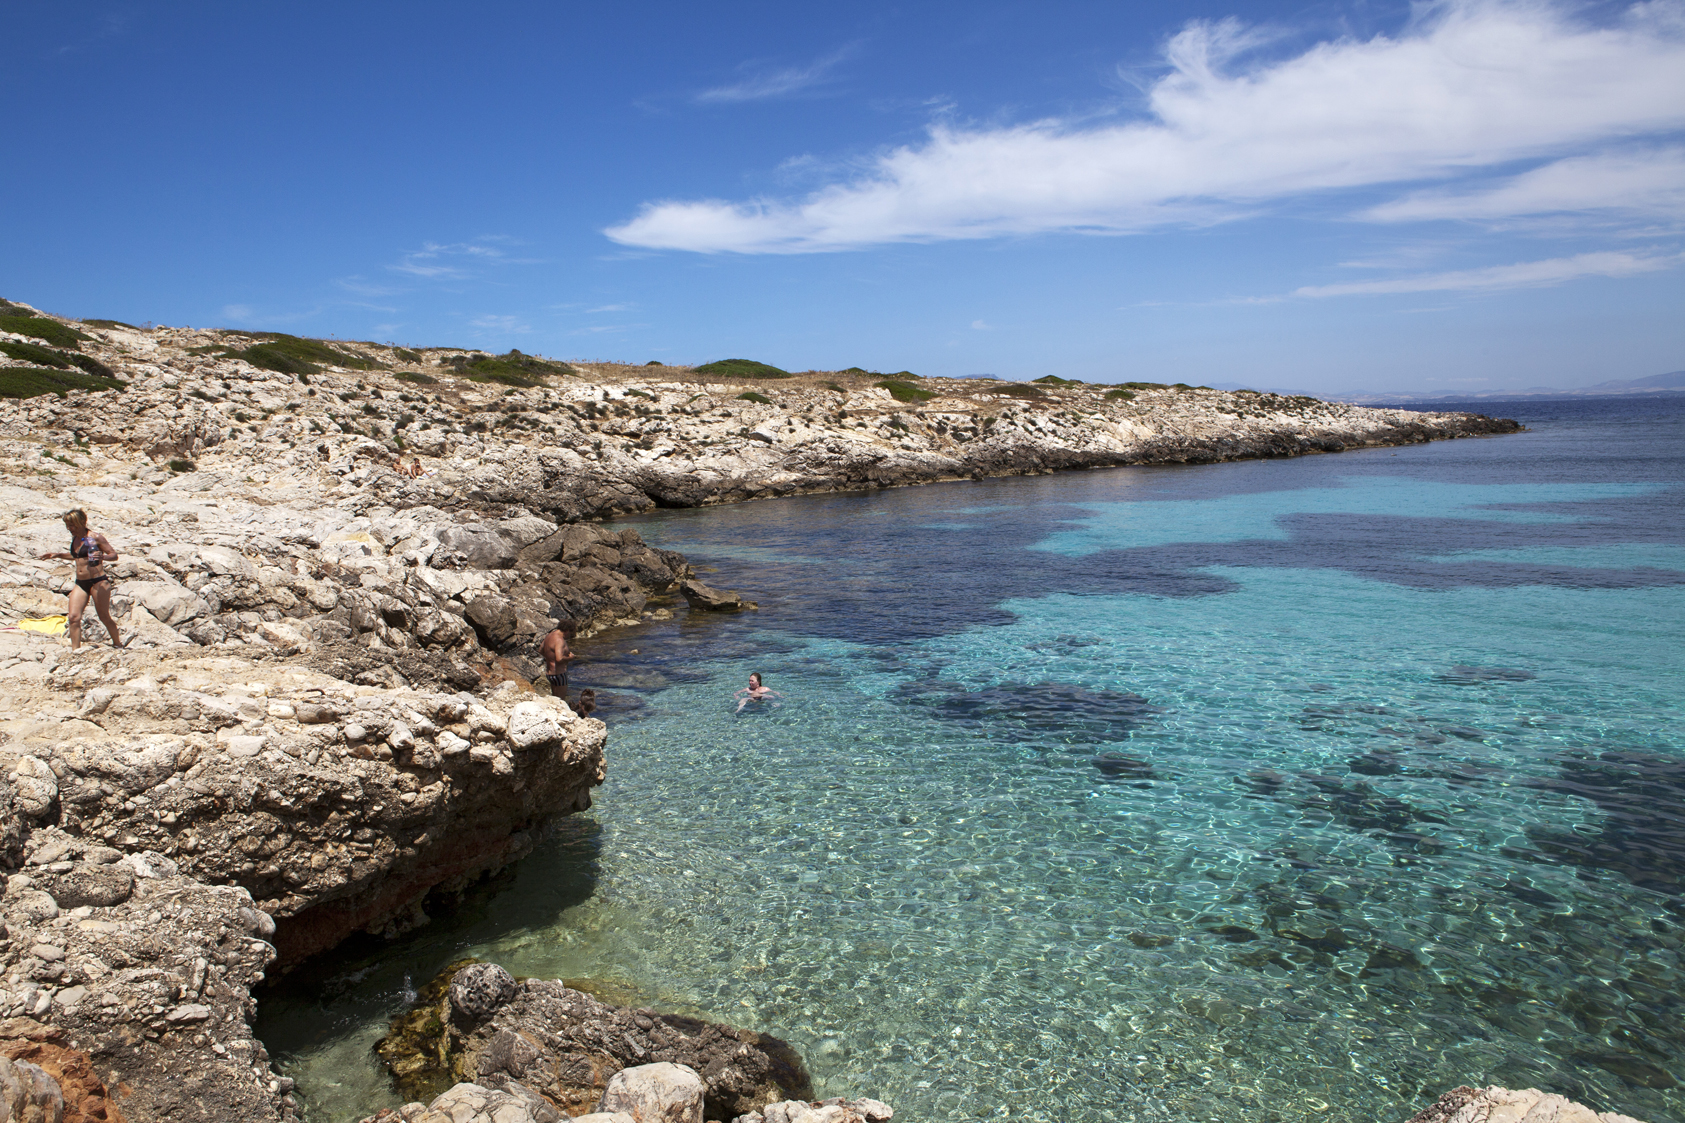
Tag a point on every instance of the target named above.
point(821, 1111)
point(566, 1045)
point(28, 1094)
point(707, 599)
point(1504, 1105)
point(655, 1093)
point(479, 989)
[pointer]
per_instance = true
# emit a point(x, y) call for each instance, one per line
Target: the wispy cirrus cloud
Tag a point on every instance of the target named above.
point(759, 82)
point(457, 260)
point(1646, 182)
point(1470, 87)
point(1524, 274)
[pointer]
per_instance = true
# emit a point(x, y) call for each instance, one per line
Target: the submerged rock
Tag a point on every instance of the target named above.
point(708, 599)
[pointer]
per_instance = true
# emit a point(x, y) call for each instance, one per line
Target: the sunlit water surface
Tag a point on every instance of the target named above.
point(1282, 790)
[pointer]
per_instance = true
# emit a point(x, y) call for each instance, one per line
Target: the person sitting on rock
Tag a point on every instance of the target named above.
point(754, 692)
point(587, 702)
point(557, 654)
point(90, 552)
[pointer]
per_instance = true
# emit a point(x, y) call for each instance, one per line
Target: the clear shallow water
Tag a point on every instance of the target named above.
point(1145, 794)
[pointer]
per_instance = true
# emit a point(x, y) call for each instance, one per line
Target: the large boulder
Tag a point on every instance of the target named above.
point(481, 545)
point(702, 597)
point(482, 1027)
point(657, 1093)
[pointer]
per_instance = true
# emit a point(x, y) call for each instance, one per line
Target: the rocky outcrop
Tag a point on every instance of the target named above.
point(337, 807)
point(487, 1028)
point(708, 599)
point(1504, 1105)
point(589, 441)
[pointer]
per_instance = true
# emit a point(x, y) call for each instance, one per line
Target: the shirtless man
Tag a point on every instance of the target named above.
point(557, 653)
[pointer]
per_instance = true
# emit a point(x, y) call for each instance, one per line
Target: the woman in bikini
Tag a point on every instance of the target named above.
point(90, 552)
point(754, 692)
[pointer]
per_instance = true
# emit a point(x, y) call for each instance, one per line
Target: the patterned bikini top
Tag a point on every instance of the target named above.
point(84, 547)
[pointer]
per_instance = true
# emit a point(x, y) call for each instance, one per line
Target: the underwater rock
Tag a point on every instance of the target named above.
point(836, 1110)
point(1127, 767)
point(1469, 676)
point(1642, 797)
point(1040, 712)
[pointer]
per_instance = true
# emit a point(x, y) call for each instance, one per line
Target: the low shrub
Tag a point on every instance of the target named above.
point(854, 370)
point(833, 386)
point(416, 377)
point(109, 324)
point(655, 363)
point(1055, 380)
point(406, 354)
point(28, 382)
point(751, 396)
point(183, 466)
point(1020, 390)
point(1121, 395)
point(91, 365)
point(1145, 386)
point(39, 327)
point(742, 368)
point(289, 354)
point(905, 391)
point(34, 353)
point(509, 369)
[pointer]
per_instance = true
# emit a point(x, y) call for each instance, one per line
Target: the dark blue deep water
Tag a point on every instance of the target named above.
point(1277, 790)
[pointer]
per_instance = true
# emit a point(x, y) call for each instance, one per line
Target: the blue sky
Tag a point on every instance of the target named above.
point(1468, 195)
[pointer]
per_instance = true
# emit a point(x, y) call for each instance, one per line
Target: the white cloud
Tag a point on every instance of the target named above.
point(499, 324)
point(761, 84)
point(979, 325)
point(1644, 182)
point(239, 313)
point(1525, 274)
point(450, 260)
point(1473, 85)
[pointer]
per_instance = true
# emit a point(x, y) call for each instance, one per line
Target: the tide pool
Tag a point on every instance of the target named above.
point(1294, 790)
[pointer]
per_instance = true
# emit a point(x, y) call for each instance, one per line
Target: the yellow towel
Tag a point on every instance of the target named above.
point(47, 625)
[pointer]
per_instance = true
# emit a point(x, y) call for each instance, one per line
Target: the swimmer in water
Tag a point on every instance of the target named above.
point(755, 692)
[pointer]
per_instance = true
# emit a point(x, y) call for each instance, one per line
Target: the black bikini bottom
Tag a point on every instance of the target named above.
point(87, 586)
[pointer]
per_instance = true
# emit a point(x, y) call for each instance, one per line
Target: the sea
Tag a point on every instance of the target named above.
point(1275, 790)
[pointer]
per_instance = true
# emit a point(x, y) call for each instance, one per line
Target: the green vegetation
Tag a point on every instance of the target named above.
point(91, 365)
point(1020, 390)
point(655, 363)
point(28, 382)
point(905, 391)
point(854, 370)
point(110, 324)
point(1055, 380)
point(509, 369)
point(39, 327)
point(742, 368)
point(1121, 395)
point(751, 396)
point(406, 355)
point(183, 466)
point(636, 393)
point(416, 377)
point(1145, 386)
point(833, 386)
point(32, 353)
point(289, 354)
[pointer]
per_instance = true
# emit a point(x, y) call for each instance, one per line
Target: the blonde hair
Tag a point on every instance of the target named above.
point(76, 517)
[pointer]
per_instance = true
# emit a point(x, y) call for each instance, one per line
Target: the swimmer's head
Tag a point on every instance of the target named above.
point(567, 628)
point(755, 678)
point(587, 701)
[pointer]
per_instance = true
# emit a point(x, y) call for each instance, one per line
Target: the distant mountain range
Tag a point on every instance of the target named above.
point(1673, 382)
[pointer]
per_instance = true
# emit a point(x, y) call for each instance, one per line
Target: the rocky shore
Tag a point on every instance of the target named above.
point(326, 720)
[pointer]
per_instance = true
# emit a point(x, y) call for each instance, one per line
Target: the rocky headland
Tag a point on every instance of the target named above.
point(326, 720)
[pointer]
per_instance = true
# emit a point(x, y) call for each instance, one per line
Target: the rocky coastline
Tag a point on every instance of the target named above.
point(326, 717)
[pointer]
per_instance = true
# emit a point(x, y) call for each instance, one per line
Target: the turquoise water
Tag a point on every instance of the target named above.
point(1284, 790)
